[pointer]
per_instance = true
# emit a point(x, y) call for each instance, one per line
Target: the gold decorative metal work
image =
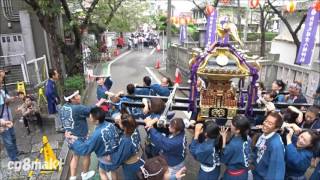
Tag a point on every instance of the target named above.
point(218, 113)
point(219, 99)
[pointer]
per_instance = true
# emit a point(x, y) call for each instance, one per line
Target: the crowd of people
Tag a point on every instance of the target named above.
point(139, 40)
point(285, 145)
point(279, 145)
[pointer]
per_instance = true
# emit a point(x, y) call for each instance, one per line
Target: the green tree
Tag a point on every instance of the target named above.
point(162, 23)
point(128, 17)
point(48, 12)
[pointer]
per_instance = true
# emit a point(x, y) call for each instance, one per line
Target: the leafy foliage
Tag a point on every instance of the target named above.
point(128, 17)
point(75, 17)
point(50, 7)
point(254, 36)
point(75, 82)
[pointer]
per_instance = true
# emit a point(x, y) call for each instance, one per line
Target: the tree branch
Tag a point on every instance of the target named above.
point(201, 9)
point(80, 3)
point(114, 9)
point(66, 9)
point(300, 24)
point(75, 27)
point(215, 3)
point(33, 4)
point(109, 5)
point(284, 20)
point(89, 11)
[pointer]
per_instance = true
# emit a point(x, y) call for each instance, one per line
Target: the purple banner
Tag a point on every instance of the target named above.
point(308, 37)
point(211, 28)
point(183, 33)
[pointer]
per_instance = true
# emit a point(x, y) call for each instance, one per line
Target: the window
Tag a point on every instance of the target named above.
point(3, 39)
point(19, 38)
point(8, 39)
point(14, 38)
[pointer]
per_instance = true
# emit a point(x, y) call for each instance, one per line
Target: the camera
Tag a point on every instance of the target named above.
point(6, 71)
point(285, 131)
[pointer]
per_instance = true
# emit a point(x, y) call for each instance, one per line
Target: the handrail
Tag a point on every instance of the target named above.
point(185, 88)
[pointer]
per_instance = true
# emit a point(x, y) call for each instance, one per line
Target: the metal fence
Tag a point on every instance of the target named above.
point(38, 70)
point(33, 72)
point(16, 66)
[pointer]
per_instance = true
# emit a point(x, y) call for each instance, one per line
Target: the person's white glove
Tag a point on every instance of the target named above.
point(299, 119)
point(189, 123)
point(270, 106)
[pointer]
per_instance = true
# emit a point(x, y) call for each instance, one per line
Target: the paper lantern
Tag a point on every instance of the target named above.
point(291, 6)
point(182, 21)
point(225, 1)
point(209, 9)
point(188, 20)
point(316, 5)
point(253, 3)
point(172, 20)
point(176, 20)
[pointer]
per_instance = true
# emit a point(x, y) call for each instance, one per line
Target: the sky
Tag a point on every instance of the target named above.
point(187, 5)
point(182, 6)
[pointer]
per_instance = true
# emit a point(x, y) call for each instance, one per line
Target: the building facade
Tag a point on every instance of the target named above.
point(22, 41)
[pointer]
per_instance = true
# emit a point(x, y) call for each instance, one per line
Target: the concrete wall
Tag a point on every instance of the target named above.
point(15, 26)
point(37, 31)
point(38, 35)
point(308, 75)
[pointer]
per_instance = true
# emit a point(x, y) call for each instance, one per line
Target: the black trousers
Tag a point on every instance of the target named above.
point(38, 119)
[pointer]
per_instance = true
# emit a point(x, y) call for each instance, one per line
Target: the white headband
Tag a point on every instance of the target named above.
point(71, 96)
point(146, 174)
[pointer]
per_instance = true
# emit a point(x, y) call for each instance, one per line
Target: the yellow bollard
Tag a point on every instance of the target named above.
point(51, 162)
point(41, 96)
point(50, 159)
point(21, 87)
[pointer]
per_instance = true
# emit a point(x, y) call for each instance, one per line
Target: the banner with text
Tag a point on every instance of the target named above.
point(211, 28)
point(308, 37)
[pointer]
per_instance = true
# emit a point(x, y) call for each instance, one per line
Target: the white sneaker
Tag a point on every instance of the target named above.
point(87, 175)
point(109, 175)
point(73, 178)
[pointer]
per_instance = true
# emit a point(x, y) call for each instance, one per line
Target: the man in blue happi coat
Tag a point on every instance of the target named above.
point(53, 99)
point(74, 119)
point(163, 88)
point(145, 90)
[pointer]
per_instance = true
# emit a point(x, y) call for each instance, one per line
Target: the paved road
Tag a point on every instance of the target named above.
point(131, 68)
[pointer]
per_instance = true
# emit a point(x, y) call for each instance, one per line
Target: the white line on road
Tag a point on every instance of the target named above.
point(154, 49)
point(154, 77)
point(109, 65)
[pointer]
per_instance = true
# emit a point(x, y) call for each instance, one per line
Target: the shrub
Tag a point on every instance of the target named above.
point(256, 36)
point(75, 82)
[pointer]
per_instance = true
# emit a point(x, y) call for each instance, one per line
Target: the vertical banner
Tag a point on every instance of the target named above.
point(183, 33)
point(211, 28)
point(308, 37)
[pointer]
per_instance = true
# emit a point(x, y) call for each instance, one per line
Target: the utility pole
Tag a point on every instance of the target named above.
point(169, 24)
point(239, 16)
point(168, 35)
